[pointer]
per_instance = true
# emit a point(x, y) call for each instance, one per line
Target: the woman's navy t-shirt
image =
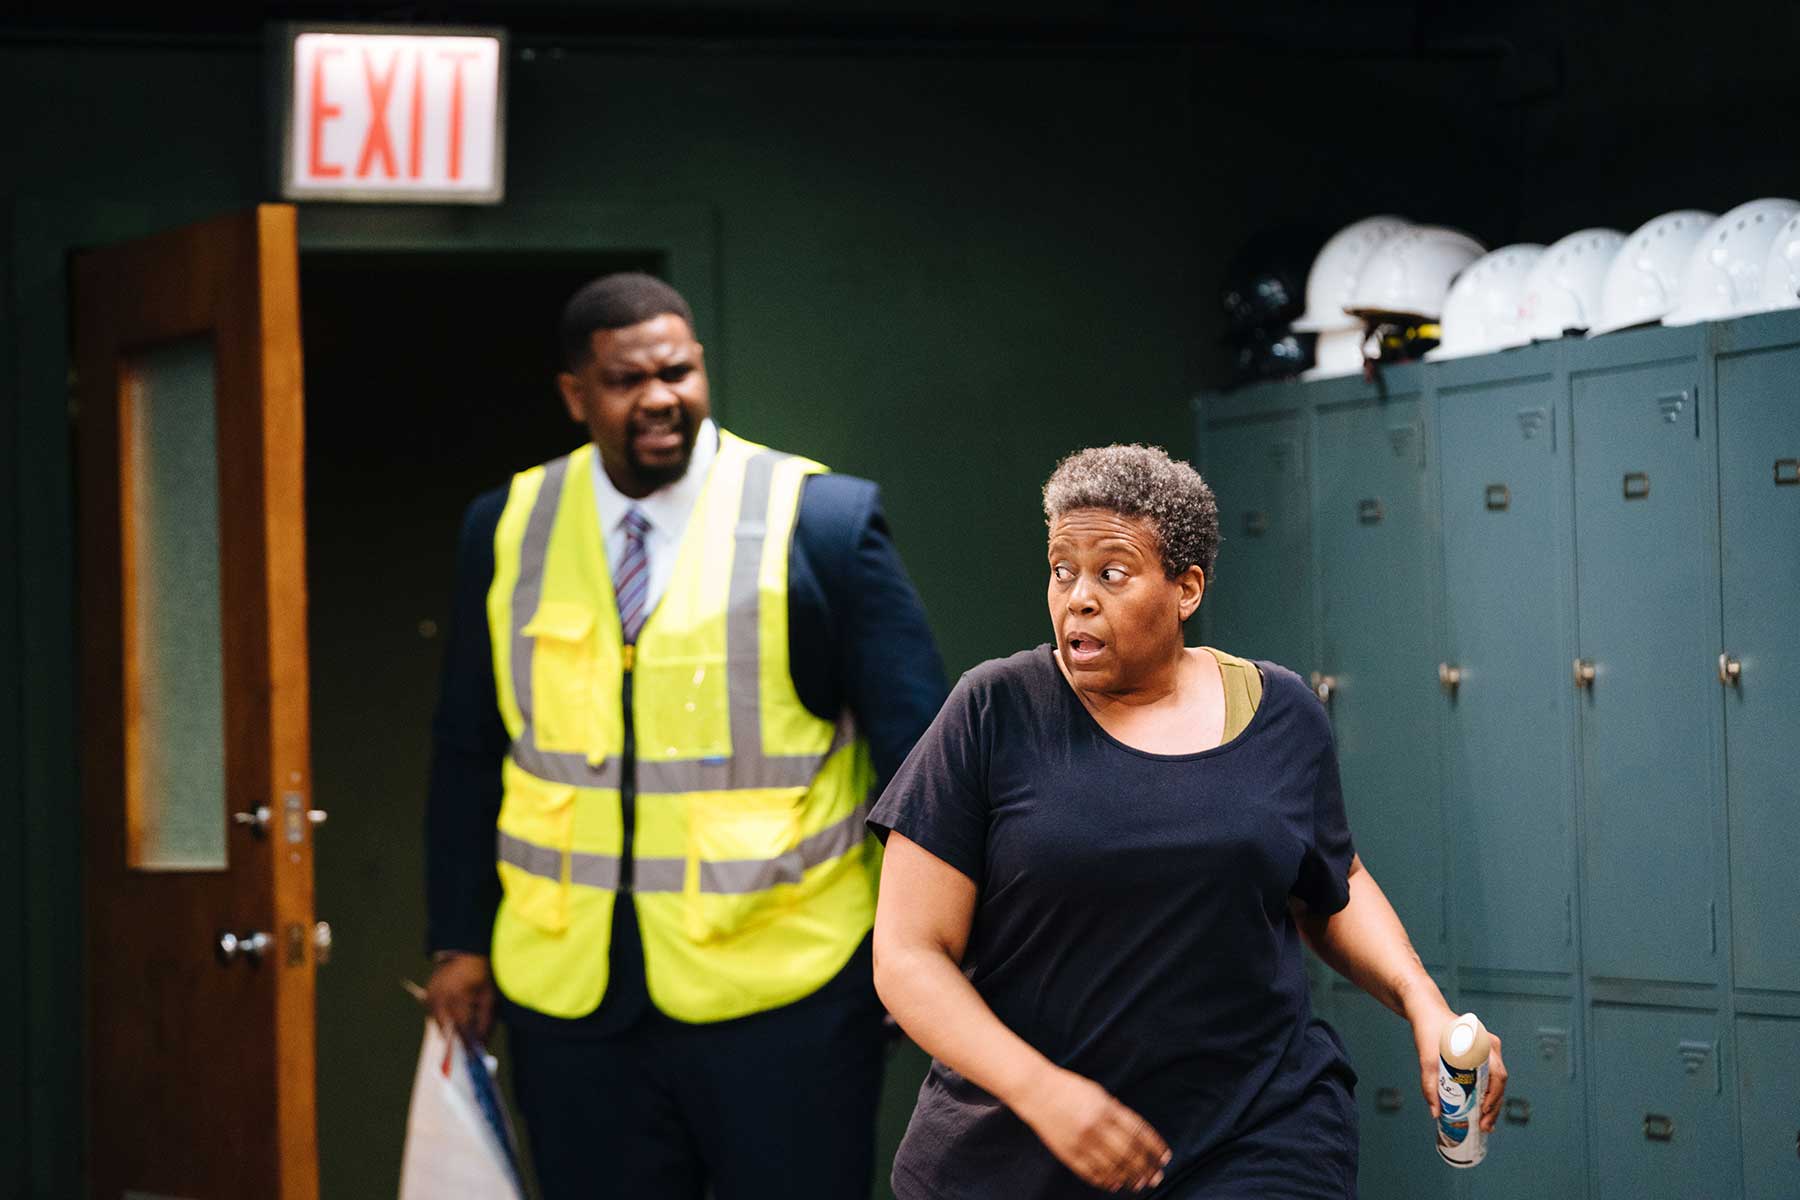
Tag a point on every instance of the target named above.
point(1132, 924)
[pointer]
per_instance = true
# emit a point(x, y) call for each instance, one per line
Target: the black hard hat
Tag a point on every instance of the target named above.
point(1265, 282)
point(1271, 354)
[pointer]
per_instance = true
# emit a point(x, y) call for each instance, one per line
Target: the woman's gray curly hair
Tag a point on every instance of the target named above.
point(1142, 481)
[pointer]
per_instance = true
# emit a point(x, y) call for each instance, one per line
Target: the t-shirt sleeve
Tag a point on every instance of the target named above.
point(1323, 882)
point(938, 798)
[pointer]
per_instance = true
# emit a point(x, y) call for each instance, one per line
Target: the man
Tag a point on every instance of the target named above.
point(679, 666)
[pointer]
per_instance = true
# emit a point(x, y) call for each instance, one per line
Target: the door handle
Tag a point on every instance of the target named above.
point(248, 946)
point(1518, 1111)
point(1387, 1099)
point(1585, 673)
point(258, 818)
point(1731, 671)
point(1323, 686)
point(1449, 678)
point(1659, 1128)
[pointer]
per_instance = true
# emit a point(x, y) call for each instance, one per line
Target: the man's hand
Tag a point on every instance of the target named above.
point(1095, 1136)
point(461, 995)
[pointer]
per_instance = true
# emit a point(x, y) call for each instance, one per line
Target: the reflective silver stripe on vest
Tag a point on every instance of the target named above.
point(589, 870)
point(731, 877)
point(528, 589)
point(760, 874)
point(748, 766)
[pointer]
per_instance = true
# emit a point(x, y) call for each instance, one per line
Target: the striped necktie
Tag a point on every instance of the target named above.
point(631, 580)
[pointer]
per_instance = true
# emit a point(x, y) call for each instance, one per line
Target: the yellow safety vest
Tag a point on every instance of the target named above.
point(684, 769)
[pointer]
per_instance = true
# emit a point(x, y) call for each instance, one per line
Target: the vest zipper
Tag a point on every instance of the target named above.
point(627, 784)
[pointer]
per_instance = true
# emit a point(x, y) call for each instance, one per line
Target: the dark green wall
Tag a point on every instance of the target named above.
point(938, 269)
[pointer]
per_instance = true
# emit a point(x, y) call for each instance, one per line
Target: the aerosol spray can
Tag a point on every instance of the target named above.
point(1462, 1082)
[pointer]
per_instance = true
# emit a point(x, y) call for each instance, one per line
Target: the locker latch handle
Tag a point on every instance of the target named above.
point(1370, 512)
point(1637, 485)
point(1518, 1111)
point(1449, 678)
point(1731, 671)
point(1787, 472)
point(1658, 1128)
point(1387, 1099)
point(1499, 497)
point(1256, 524)
point(1324, 686)
point(1585, 672)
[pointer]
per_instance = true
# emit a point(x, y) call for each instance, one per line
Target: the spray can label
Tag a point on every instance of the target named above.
point(1460, 1141)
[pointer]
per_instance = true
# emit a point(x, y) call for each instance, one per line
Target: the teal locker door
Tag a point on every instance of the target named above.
point(1662, 1120)
point(1261, 604)
point(1398, 1157)
point(1759, 495)
point(1768, 1050)
point(1512, 743)
point(1538, 1147)
point(1647, 583)
point(1376, 587)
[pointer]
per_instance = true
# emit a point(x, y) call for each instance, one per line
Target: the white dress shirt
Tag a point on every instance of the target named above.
point(667, 509)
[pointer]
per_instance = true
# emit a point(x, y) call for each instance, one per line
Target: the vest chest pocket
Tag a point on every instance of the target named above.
point(743, 860)
point(537, 826)
point(563, 662)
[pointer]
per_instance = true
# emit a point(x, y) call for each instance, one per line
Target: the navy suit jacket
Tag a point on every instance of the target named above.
point(857, 638)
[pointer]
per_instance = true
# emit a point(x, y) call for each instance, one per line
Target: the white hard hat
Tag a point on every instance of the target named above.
point(1481, 313)
point(1563, 290)
point(1408, 275)
point(1781, 273)
point(1644, 281)
point(1334, 272)
point(1338, 352)
point(1724, 271)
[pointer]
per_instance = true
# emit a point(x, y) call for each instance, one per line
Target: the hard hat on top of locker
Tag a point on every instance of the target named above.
point(1272, 354)
point(1481, 313)
point(1724, 271)
point(1334, 273)
point(1409, 274)
point(1644, 281)
point(1781, 273)
point(1264, 281)
point(1338, 352)
point(1563, 290)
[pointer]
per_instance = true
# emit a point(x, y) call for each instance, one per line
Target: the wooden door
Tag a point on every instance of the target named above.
point(200, 935)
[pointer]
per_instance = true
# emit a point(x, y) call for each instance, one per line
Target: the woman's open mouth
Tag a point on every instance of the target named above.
point(1083, 648)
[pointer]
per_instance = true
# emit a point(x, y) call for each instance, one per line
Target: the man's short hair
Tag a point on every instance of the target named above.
point(615, 302)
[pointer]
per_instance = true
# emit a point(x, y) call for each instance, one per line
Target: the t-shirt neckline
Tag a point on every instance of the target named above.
point(1068, 690)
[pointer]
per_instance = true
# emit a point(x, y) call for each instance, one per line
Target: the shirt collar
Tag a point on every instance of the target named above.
point(667, 507)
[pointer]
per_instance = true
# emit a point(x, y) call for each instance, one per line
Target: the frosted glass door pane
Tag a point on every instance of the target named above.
point(175, 714)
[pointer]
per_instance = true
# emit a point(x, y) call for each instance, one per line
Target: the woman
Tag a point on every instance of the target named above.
point(1101, 862)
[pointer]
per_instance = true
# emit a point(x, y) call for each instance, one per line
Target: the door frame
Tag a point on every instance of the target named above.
point(38, 235)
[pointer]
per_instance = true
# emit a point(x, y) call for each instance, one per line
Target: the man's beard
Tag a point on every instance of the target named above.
point(661, 475)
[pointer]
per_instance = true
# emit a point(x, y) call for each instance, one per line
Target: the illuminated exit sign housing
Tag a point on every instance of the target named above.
point(408, 114)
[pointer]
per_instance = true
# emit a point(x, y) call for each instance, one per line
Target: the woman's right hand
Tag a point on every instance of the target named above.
point(1093, 1135)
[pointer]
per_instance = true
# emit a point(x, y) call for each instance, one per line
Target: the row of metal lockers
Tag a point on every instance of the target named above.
point(1551, 598)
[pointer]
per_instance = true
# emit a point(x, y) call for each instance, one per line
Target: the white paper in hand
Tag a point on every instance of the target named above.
point(453, 1149)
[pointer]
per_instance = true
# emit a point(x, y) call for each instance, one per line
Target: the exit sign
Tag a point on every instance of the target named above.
point(407, 114)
